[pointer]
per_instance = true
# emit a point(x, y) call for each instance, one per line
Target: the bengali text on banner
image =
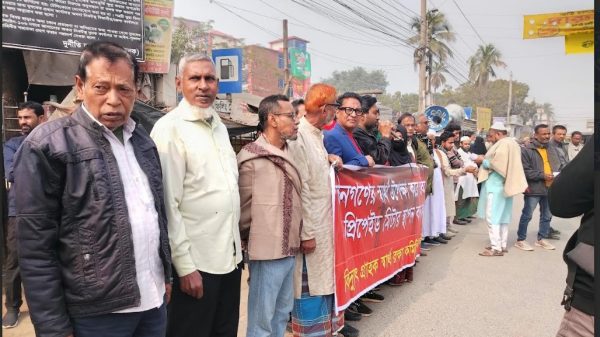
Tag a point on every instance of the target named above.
point(377, 226)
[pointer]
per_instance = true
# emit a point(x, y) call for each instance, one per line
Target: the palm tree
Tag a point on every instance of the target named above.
point(482, 64)
point(437, 75)
point(438, 34)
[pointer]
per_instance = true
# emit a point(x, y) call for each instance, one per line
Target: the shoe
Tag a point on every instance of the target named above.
point(544, 244)
point(358, 307)
point(451, 229)
point(552, 236)
point(422, 254)
point(440, 239)
point(352, 316)
point(424, 248)
point(459, 222)
point(523, 245)
point(348, 331)
point(554, 231)
point(465, 220)
point(431, 241)
point(372, 296)
point(447, 236)
point(471, 217)
point(10, 319)
point(378, 288)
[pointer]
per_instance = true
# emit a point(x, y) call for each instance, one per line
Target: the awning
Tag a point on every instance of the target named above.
point(235, 128)
point(53, 69)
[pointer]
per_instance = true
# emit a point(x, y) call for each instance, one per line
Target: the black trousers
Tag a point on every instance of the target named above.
point(216, 314)
point(12, 281)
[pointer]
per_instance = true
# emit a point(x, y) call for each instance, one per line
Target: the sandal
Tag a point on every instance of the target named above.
point(491, 253)
point(504, 250)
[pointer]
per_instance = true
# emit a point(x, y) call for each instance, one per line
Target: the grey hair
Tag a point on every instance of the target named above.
point(188, 58)
point(416, 115)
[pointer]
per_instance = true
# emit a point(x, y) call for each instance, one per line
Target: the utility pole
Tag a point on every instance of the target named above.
point(509, 98)
point(286, 67)
point(423, 55)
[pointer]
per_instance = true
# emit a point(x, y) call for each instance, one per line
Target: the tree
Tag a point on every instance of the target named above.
point(393, 101)
point(437, 75)
point(438, 34)
point(357, 79)
point(482, 64)
point(190, 40)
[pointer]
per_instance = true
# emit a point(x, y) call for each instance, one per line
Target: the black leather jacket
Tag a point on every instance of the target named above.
point(379, 150)
point(75, 248)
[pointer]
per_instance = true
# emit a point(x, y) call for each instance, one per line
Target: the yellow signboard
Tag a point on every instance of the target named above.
point(484, 118)
point(557, 24)
point(158, 31)
point(582, 43)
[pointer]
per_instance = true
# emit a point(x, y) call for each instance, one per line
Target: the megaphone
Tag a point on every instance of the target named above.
point(438, 116)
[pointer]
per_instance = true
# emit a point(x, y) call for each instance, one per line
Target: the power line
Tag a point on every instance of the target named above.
point(469, 22)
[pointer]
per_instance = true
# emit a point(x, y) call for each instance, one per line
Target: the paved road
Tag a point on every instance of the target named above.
point(458, 293)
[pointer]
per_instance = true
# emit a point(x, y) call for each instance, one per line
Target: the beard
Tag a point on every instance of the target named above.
point(25, 130)
point(204, 113)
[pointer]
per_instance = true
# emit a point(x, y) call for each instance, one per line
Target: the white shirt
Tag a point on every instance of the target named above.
point(574, 150)
point(202, 199)
point(143, 218)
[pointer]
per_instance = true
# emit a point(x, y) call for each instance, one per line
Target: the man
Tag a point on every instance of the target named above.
point(559, 148)
point(299, 108)
point(203, 207)
point(340, 140)
point(575, 145)
point(92, 229)
point(539, 164)
point(30, 114)
point(434, 222)
point(452, 168)
point(314, 311)
point(270, 217)
point(558, 143)
point(572, 195)
point(366, 131)
point(466, 193)
point(501, 173)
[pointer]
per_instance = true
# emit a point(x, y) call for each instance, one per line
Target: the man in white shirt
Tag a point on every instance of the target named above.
point(575, 145)
point(203, 207)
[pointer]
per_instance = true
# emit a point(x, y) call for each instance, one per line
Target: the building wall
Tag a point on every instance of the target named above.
point(264, 75)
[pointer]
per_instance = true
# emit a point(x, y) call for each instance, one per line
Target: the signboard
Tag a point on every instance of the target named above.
point(557, 24)
point(299, 63)
point(67, 26)
point(378, 214)
point(158, 32)
point(437, 111)
point(581, 43)
point(229, 69)
point(484, 118)
point(222, 105)
point(468, 112)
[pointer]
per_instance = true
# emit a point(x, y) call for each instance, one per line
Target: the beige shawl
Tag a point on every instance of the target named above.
point(505, 159)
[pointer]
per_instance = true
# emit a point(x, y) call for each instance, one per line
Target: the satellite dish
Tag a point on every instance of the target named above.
point(457, 113)
point(438, 117)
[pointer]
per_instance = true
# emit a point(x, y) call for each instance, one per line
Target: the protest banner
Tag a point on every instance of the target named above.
point(377, 226)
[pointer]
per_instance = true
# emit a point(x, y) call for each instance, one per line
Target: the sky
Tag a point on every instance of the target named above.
point(565, 81)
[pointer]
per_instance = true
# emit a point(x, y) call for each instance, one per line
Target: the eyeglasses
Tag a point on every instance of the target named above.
point(349, 111)
point(334, 105)
point(288, 114)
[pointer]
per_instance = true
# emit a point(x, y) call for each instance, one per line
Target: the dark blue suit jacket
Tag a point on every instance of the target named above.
point(339, 143)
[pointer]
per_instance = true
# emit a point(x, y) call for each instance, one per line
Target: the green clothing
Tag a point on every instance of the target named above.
point(424, 158)
point(501, 208)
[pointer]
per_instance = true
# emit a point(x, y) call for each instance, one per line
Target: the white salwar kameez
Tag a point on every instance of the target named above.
point(434, 210)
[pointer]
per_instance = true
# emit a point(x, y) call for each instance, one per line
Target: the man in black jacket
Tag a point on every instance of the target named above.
point(572, 195)
point(91, 222)
point(366, 130)
point(539, 164)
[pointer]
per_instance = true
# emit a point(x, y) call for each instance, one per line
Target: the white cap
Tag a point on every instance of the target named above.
point(499, 126)
point(465, 139)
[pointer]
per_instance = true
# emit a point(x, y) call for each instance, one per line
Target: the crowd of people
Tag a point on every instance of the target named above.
point(121, 232)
